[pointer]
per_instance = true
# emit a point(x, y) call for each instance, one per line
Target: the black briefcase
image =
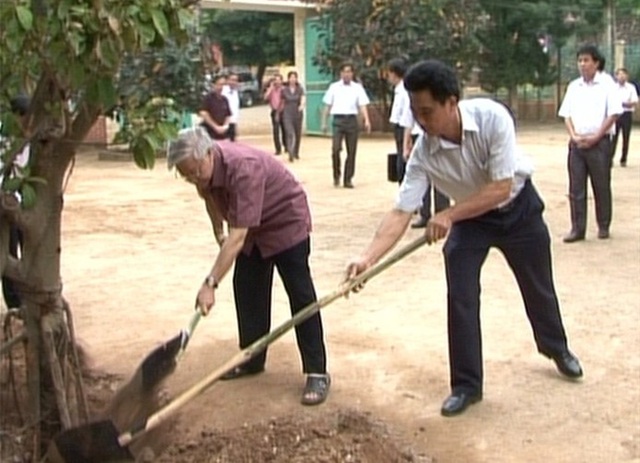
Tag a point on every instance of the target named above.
point(392, 167)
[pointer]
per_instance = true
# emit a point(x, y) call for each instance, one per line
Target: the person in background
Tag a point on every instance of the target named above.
point(273, 96)
point(395, 73)
point(230, 91)
point(215, 110)
point(293, 102)
point(19, 107)
point(470, 153)
point(344, 100)
point(267, 213)
point(629, 97)
point(590, 108)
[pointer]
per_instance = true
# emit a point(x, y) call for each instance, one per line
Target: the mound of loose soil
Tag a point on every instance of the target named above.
point(343, 437)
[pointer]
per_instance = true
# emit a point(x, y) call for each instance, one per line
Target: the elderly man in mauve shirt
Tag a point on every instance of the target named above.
point(269, 226)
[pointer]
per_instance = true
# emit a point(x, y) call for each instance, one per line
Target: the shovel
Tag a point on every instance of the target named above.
point(101, 442)
point(161, 361)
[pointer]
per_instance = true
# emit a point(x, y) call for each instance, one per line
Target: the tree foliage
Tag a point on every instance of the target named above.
point(250, 38)
point(368, 33)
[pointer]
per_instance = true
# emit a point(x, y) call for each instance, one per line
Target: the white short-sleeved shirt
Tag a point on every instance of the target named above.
point(345, 99)
point(233, 97)
point(400, 104)
point(487, 153)
point(627, 94)
point(588, 104)
point(407, 120)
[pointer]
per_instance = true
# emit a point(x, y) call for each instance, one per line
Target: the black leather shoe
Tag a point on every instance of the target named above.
point(568, 365)
point(458, 402)
point(348, 185)
point(603, 234)
point(573, 236)
point(336, 182)
point(420, 223)
point(239, 372)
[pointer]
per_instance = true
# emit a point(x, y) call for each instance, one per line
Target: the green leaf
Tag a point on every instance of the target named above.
point(160, 22)
point(25, 17)
point(186, 18)
point(143, 154)
point(77, 73)
point(28, 196)
point(167, 130)
point(147, 33)
point(63, 10)
point(39, 180)
point(12, 184)
point(153, 140)
point(106, 92)
point(106, 53)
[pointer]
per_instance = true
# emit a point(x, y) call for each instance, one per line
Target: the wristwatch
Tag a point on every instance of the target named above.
point(211, 282)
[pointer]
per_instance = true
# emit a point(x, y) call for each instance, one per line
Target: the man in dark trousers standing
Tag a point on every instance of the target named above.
point(590, 108)
point(395, 73)
point(269, 227)
point(470, 154)
point(629, 97)
point(344, 100)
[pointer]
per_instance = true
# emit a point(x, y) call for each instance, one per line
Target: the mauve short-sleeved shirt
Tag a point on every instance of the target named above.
point(254, 190)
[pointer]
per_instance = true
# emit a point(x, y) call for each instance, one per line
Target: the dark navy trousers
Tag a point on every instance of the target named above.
point(520, 233)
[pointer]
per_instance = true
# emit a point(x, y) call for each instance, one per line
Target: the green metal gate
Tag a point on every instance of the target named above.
point(317, 81)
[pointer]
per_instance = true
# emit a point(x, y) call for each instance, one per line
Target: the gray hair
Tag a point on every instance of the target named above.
point(192, 142)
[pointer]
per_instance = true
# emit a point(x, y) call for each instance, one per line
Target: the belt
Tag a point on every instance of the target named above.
point(341, 116)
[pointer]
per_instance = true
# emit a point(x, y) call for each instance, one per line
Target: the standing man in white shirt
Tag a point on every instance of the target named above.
point(470, 153)
point(344, 100)
point(395, 73)
point(230, 91)
point(590, 109)
point(629, 97)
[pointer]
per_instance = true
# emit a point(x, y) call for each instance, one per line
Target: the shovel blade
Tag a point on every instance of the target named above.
point(161, 362)
point(91, 443)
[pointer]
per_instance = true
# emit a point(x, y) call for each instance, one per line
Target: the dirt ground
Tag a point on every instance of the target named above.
point(136, 245)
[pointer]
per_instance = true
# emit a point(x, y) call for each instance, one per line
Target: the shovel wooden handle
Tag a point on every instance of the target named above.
point(260, 344)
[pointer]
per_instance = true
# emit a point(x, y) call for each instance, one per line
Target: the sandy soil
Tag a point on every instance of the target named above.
point(137, 245)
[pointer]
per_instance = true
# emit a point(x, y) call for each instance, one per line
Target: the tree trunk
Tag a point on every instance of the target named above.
point(53, 376)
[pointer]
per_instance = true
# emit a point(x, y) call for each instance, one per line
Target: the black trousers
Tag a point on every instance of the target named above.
point(344, 127)
point(401, 164)
point(9, 292)
point(441, 202)
point(520, 233)
point(623, 124)
point(277, 131)
point(593, 163)
point(252, 284)
point(232, 132)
